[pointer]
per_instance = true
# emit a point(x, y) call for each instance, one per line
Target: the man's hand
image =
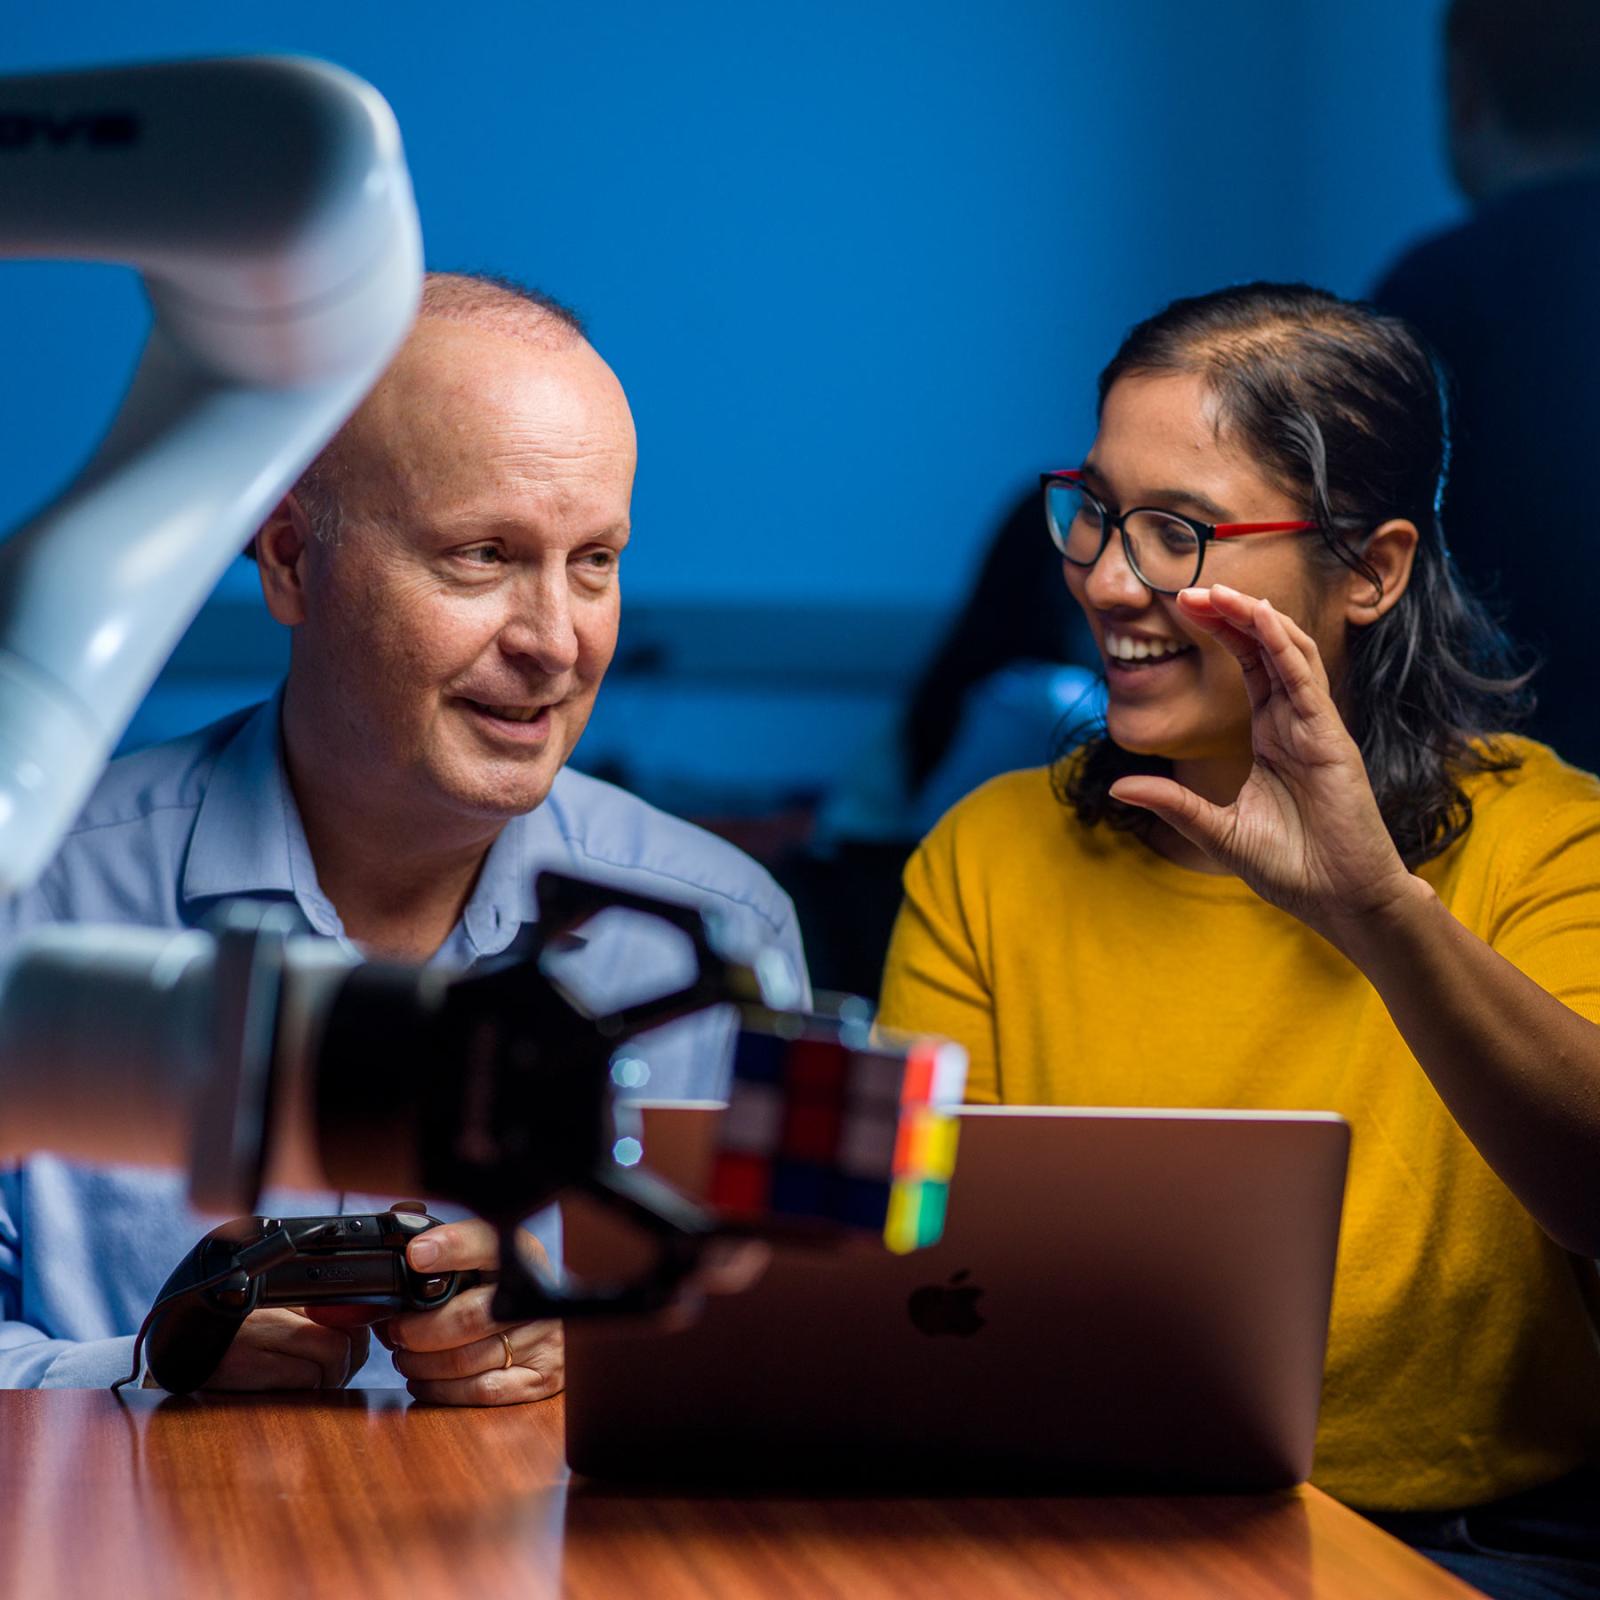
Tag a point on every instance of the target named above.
point(282, 1348)
point(459, 1355)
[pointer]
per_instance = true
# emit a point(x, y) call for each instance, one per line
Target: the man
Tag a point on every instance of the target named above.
point(1511, 301)
point(449, 571)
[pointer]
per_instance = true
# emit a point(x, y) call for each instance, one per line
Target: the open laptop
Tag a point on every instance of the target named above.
point(1122, 1299)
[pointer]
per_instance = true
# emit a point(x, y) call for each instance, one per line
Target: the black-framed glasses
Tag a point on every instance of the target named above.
point(1165, 549)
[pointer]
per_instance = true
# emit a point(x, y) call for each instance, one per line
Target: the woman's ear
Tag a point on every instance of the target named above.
point(280, 551)
point(1390, 553)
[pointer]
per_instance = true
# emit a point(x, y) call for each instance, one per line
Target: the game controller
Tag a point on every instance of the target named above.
point(254, 1262)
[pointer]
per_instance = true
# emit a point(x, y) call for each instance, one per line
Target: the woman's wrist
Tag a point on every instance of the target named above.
point(1386, 923)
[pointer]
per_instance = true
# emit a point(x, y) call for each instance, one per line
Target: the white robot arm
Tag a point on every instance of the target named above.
point(267, 205)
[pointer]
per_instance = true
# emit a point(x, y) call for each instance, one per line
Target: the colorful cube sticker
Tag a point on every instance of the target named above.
point(857, 1135)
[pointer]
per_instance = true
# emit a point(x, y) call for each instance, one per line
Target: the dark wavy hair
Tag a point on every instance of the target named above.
point(1345, 408)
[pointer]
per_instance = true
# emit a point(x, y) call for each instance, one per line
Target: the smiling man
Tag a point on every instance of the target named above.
point(448, 569)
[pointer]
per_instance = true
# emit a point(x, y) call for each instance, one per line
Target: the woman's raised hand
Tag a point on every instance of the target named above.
point(1305, 831)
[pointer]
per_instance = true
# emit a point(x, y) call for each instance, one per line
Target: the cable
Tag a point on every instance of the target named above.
point(252, 1261)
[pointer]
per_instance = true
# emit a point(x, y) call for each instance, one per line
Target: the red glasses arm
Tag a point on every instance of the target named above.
point(1232, 530)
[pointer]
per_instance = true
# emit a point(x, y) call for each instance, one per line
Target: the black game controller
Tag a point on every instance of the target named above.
point(254, 1262)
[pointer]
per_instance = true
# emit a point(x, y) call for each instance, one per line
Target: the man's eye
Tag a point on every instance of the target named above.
point(601, 560)
point(484, 555)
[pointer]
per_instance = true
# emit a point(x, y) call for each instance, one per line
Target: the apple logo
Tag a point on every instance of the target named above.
point(947, 1308)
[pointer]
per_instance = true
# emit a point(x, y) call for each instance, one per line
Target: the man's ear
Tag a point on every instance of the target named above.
point(281, 547)
point(1391, 553)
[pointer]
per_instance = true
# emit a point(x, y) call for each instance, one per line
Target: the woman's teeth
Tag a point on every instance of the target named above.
point(1122, 647)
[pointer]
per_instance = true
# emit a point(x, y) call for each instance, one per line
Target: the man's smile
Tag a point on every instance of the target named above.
point(528, 724)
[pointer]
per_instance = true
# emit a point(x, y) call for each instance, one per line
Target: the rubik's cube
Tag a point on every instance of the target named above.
point(828, 1128)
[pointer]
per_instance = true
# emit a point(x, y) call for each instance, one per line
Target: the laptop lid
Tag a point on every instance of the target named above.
point(1121, 1299)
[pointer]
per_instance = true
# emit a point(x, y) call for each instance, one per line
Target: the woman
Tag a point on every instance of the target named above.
point(1302, 868)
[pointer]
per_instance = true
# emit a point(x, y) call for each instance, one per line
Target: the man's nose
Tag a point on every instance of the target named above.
point(1112, 581)
point(540, 625)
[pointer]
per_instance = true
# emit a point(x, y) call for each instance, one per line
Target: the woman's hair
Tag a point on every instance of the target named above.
point(1018, 610)
point(1344, 407)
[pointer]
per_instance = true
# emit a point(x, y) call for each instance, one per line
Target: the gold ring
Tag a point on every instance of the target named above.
point(510, 1360)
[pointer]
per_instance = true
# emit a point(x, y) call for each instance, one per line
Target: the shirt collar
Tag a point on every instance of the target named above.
point(240, 843)
point(502, 899)
point(248, 839)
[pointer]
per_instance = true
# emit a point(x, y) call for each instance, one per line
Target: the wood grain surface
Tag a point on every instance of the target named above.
point(361, 1495)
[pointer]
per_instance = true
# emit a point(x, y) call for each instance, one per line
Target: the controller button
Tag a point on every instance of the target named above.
point(432, 1286)
point(233, 1299)
point(416, 1207)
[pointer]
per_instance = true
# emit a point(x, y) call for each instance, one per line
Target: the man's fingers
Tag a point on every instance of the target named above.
point(348, 1317)
point(282, 1349)
point(514, 1386)
point(455, 1247)
point(465, 1319)
point(477, 1374)
point(259, 1370)
point(533, 1344)
point(468, 1246)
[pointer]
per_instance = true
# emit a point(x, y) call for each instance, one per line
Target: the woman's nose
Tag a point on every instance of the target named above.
point(1112, 581)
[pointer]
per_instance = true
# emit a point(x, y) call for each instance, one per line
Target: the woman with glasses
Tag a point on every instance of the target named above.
point(1303, 865)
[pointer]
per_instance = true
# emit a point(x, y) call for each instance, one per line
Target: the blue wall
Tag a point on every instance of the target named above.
point(856, 264)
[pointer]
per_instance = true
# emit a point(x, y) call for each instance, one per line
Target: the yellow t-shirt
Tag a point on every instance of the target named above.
point(1079, 967)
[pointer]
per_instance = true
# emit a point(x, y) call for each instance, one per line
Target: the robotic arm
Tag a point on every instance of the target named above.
point(268, 207)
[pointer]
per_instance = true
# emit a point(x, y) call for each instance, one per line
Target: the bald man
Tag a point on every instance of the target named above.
point(448, 569)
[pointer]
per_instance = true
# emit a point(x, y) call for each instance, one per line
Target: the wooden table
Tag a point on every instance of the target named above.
point(360, 1495)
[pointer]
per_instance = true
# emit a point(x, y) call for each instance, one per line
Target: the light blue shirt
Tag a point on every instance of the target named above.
point(172, 831)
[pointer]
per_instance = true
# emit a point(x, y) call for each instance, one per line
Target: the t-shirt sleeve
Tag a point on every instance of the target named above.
point(1546, 915)
point(933, 981)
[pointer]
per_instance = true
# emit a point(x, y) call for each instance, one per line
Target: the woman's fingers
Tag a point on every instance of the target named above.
point(1198, 608)
point(1294, 657)
point(1286, 651)
point(1240, 643)
point(1198, 820)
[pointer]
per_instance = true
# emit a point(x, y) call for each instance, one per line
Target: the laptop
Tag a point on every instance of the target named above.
point(1124, 1300)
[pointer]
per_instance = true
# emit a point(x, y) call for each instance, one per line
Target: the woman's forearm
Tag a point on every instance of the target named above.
point(1517, 1069)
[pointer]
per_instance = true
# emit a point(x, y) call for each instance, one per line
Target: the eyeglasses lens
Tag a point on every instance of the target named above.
point(1074, 522)
point(1166, 552)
